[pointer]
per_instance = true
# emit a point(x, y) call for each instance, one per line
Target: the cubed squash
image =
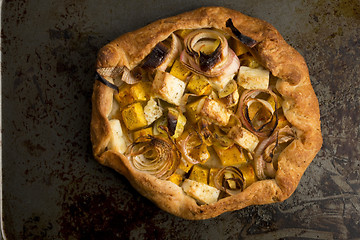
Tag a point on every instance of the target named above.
point(139, 91)
point(238, 47)
point(185, 166)
point(168, 87)
point(199, 174)
point(231, 156)
point(142, 132)
point(199, 85)
point(129, 94)
point(193, 110)
point(183, 32)
point(134, 117)
point(249, 61)
point(212, 174)
point(179, 70)
point(124, 97)
point(248, 173)
point(203, 193)
point(282, 121)
point(253, 78)
point(271, 100)
point(176, 178)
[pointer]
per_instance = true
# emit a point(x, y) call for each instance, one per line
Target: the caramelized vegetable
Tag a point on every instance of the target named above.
point(231, 156)
point(244, 39)
point(199, 85)
point(156, 56)
point(199, 174)
point(156, 156)
point(134, 117)
point(175, 122)
point(230, 180)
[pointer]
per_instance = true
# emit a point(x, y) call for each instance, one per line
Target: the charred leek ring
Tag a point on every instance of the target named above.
point(222, 61)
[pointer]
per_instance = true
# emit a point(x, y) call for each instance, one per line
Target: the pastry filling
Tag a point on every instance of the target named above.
point(199, 111)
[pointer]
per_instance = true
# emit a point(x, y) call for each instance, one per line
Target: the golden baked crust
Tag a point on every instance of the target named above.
point(300, 107)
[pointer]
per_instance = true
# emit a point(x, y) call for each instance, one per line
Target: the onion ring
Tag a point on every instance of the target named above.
point(220, 62)
point(221, 181)
point(264, 153)
point(247, 98)
point(156, 156)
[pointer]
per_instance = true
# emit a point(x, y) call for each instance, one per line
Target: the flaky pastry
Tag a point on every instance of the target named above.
point(176, 100)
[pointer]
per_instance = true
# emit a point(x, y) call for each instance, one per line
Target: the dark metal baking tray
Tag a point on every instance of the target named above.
point(52, 187)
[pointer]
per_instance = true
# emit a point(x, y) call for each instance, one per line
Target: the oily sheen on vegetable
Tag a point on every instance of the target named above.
point(205, 112)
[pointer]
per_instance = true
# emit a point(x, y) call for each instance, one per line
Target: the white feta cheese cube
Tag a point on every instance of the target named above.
point(244, 138)
point(117, 140)
point(152, 111)
point(168, 87)
point(202, 192)
point(215, 112)
point(253, 78)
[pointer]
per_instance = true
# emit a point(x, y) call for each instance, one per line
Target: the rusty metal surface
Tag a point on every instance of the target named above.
point(54, 189)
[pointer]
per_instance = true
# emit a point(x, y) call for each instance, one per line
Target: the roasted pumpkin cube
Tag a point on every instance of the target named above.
point(193, 110)
point(212, 174)
point(138, 91)
point(248, 173)
point(179, 70)
point(185, 166)
point(134, 117)
point(176, 178)
point(142, 132)
point(282, 121)
point(124, 97)
point(238, 47)
point(271, 100)
point(129, 94)
point(199, 85)
point(249, 61)
point(231, 156)
point(183, 32)
point(199, 174)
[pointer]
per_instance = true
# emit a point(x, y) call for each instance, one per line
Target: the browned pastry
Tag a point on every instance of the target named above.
point(268, 180)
